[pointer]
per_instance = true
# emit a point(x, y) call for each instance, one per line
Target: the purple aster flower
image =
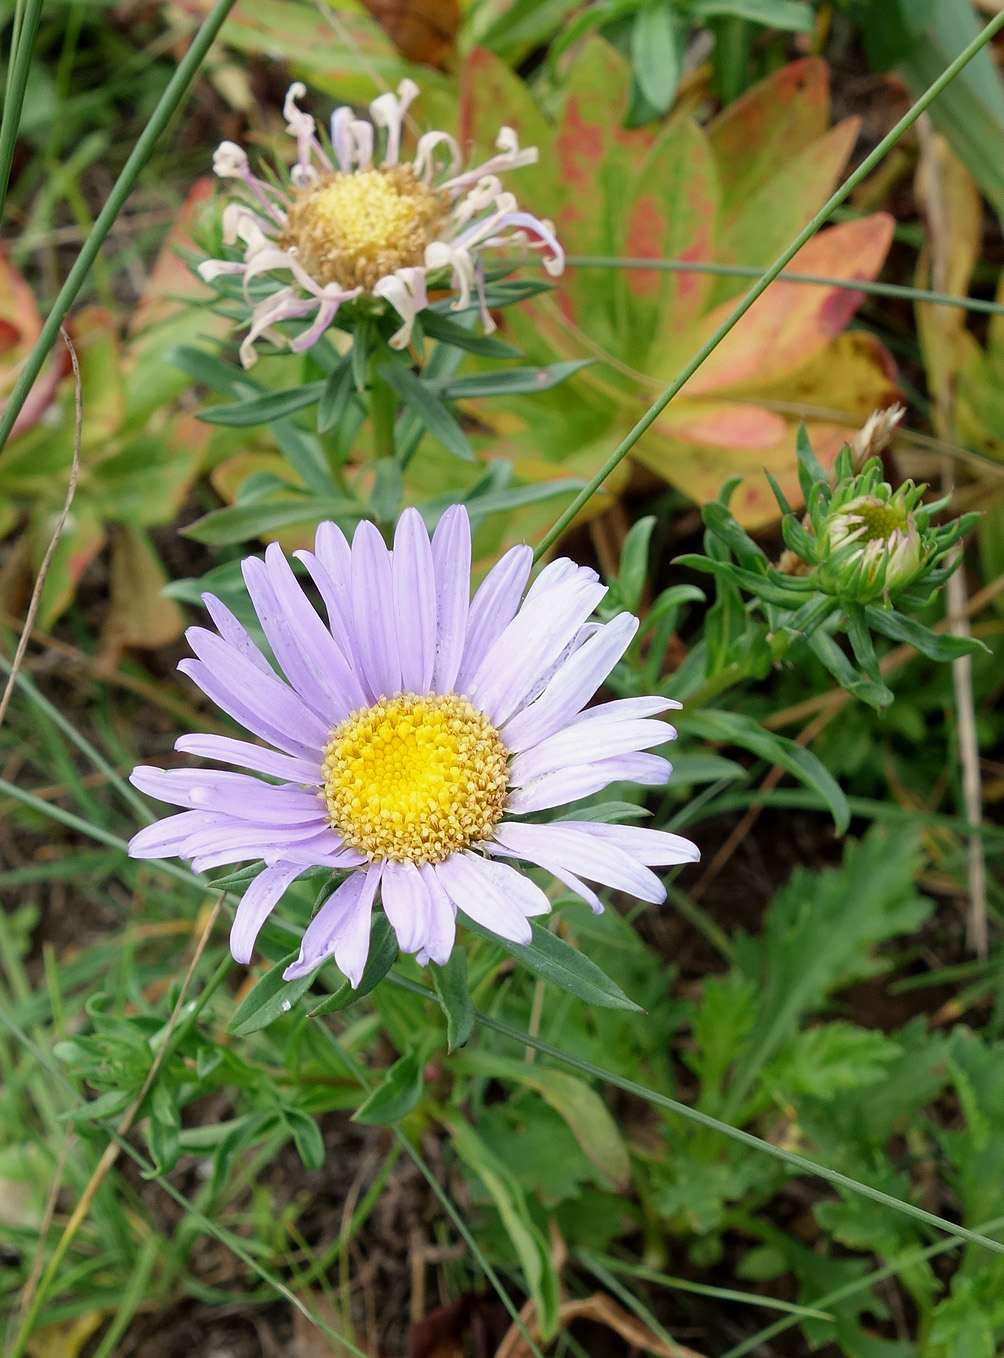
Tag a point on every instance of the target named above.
point(348, 227)
point(413, 737)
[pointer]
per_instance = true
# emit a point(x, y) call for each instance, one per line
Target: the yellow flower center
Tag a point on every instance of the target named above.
point(353, 229)
point(414, 778)
point(880, 521)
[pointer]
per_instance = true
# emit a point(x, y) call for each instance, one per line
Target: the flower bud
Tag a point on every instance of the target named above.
point(870, 546)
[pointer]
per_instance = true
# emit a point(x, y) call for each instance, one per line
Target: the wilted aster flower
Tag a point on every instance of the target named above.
point(352, 227)
point(412, 737)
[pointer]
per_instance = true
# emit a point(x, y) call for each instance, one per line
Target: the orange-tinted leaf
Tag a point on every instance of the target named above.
point(18, 312)
point(741, 427)
point(9, 336)
point(672, 214)
point(346, 54)
point(954, 211)
point(493, 96)
point(421, 30)
point(701, 471)
point(95, 334)
point(171, 281)
point(595, 154)
point(757, 134)
point(792, 322)
point(138, 614)
point(781, 206)
point(845, 382)
point(80, 543)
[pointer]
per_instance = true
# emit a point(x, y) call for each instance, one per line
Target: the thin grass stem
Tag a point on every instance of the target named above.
point(737, 313)
point(871, 288)
point(166, 107)
point(21, 52)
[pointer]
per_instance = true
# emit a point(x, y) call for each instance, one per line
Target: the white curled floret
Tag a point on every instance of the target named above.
point(362, 131)
point(441, 254)
point(230, 161)
point(342, 139)
point(511, 158)
point(388, 111)
point(425, 155)
point(405, 290)
point(241, 224)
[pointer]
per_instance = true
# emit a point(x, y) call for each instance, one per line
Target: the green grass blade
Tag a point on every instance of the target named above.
point(21, 51)
point(161, 116)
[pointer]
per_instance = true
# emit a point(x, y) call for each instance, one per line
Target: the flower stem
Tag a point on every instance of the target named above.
point(383, 408)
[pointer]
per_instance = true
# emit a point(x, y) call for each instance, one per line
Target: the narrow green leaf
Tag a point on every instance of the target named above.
point(241, 522)
point(359, 354)
point(211, 372)
point(304, 453)
point(736, 729)
point(383, 954)
point(396, 1095)
point(268, 1000)
point(447, 331)
point(654, 54)
point(306, 1137)
point(498, 295)
point(790, 15)
point(764, 587)
point(827, 650)
point(454, 996)
point(104, 1106)
point(633, 570)
point(527, 1241)
point(512, 381)
point(935, 645)
point(557, 961)
point(420, 398)
point(263, 409)
point(239, 880)
point(574, 1100)
point(810, 469)
point(338, 390)
point(728, 529)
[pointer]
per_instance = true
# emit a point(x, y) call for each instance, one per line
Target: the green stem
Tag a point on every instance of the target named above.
point(800, 1163)
point(863, 170)
point(876, 289)
point(383, 408)
point(22, 48)
point(167, 105)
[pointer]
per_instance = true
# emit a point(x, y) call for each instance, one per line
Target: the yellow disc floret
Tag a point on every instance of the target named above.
point(414, 778)
point(353, 229)
point(879, 520)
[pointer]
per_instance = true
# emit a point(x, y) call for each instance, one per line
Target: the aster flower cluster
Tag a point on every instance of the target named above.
point(410, 742)
point(349, 225)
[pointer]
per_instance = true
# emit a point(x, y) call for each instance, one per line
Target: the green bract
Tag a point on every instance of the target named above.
point(865, 542)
